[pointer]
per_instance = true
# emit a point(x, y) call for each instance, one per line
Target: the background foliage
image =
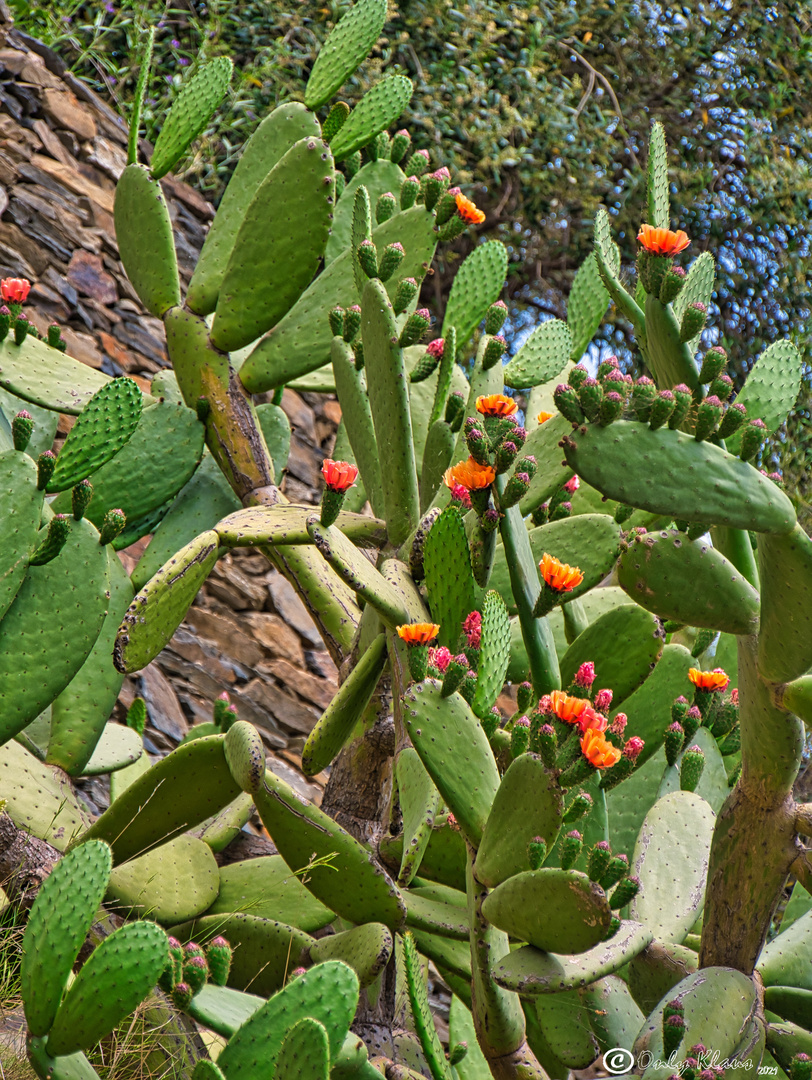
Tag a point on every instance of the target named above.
point(542, 109)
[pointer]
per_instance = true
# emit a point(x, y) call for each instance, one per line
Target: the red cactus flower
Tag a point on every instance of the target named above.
point(339, 475)
point(472, 628)
point(469, 211)
point(14, 290)
point(662, 241)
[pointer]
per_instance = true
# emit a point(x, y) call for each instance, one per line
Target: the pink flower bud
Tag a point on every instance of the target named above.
point(585, 675)
point(440, 657)
point(472, 628)
point(461, 495)
point(633, 748)
point(603, 700)
point(618, 725)
point(572, 485)
point(435, 348)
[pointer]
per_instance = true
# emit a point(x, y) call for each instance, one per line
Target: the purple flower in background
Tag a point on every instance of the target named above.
point(175, 43)
point(109, 7)
point(183, 61)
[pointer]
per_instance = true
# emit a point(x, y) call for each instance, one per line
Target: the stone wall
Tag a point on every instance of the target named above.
point(61, 152)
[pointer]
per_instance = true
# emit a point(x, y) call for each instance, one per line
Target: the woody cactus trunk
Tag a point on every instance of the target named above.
point(596, 873)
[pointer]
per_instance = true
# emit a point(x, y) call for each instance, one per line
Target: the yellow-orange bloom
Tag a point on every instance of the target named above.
point(566, 708)
point(470, 475)
point(496, 405)
point(560, 576)
point(543, 417)
point(708, 680)
point(598, 750)
point(662, 241)
point(418, 633)
point(469, 211)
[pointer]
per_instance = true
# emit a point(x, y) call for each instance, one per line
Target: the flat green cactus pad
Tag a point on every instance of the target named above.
point(265, 951)
point(421, 1011)
point(35, 372)
point(366, 949)
point(550, 908)
point(145, 241)
point(718, 1003)
point(40, 799)
point(528, 804)
point(359, 891)
point(443, 859)
point(784, 1041)
point(785, 641)
point(277, 133)
point(614, 1015)
point(671, 860)
point(20, 513)
point(787, 959)
point(449, 577)
point(150, 470)
point(245, 754)
point(144, 816)
point(327, 993)
point(419, 801)
point(269, 268)
point(45, 424)
point(51, 627)
point(300, 342)
point(223, 1009)
point(287, 524)
point(494, 653)
point(690, 582)
point(790, 1004)
point(456, 753)
point(347, 45)
point(541, 357)
point(60, 918)
point(221, 828)
point(589, 541)
point(170, 884)
point(564, 1021)
point(267, 889)
point(529, 971)
point(118, 748)
point(199, 97)
point(586, 307)
point(80, 713)
point(378, 177)
point(304, 1054)
point(158, 610)
point(553, 470)
point(624, 645)
point(657, 970)
point(649, 708)
point(351, 387)
point(205, 500)
point(446, 953)
point(436, 916)
point(658, 211)
point(698, 287)
point(771, 388)
point(115, 979)
point(477, 285)
point(101, 429)
point(345, 710)
point(668, 472)
point(377, 109)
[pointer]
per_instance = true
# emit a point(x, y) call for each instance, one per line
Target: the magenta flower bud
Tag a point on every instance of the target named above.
point(585, 675)
point(633, 748)
point(572, 485)
point(472, 628)
point(618, 725)
point(440, 658)
point(435, 348)
point(603, 700)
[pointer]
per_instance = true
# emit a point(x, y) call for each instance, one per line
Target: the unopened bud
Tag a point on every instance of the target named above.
point(218, 954)
point(693, 763)
point(405, 294)
point(495, 317)
point(671, 285)
point(611, 408)
point(577, 376)
point(368, 258)
point(414, 328)
point(391, 258)
point(385, 207)
point(113, 525)
point(568, 404)
point(408, 192)
point(752, 438)
point(625, 892)
point(22, 428)
point(494, 351)
point(401, 141)
point(417, 163)
point(351, 323)
point(520, 737)
point(46, 463)
point(735, 416)
point(599, 858)
point(674, 741)
point(661, 409)
point(81, 495)
point(580, 805)
point(537, 852)
point(335, 121)
point(693, 321)
point(617, 869)
point(644, 395)
point(708, 415)
point(683, 399)
point(713, 364)
point(590, 395)
point(571, 847)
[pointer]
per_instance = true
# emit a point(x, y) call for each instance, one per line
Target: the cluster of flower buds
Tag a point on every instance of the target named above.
point(14, 293)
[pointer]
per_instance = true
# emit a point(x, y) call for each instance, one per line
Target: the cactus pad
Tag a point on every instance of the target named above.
point(199, 97)
point(102, 428)
point(113, 981)
point(267, 889)
point(158, 610)
point(671, 861)
point(377, 177)
point(543, 355)
point(785, 642)
point(376, 110)
point(624, 645)
point(648, 708)
point(418, 800)
point(357, 418)
point(456, 753)
point(449, 578)
point(586, 307)
point(118, 747)
point(657, 567)
point(174, 882)
point(277, 133)
point(347, 45)
point(35, 372)
point(477, 284)
point(20, 513)
point(366, 949)
point(682, 477)
point(658, 211)
point(223, 1010)
point(528, 804)
point(494, 654)
point(145, 241)
point(698, 288)
point(327, 993)
point(553, 470)
point(51, 627)
point(530, 971)
point(564, 1021)
point(771, 388)
point(550, 908)
point(304, 1055)
point(360, 891)
point(62, 914)
point(268, 269)
point(40, 799)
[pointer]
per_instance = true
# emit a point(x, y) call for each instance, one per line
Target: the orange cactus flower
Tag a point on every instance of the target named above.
point(496, 405)
point(708, 680)
point(14, 290)
point(418, 633)
point(469, 211)
point(543, 417)
point(598, 751)
point(662, 241)
point(470, 475)
point(560, 576)
point(338, 475)
point(566, 708)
